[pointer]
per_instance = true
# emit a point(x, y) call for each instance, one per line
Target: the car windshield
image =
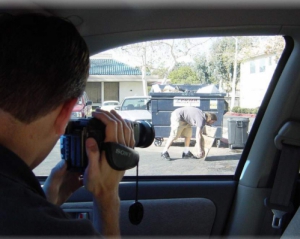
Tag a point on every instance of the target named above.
point(227, 76)
point(135, 104)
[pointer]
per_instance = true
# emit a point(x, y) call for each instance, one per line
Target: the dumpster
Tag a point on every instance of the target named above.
point(163, 103)
point(237, 132)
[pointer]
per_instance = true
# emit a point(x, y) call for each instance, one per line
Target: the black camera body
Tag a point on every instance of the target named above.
point(119, 157)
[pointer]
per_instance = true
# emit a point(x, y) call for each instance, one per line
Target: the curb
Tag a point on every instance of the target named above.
point(240, 114)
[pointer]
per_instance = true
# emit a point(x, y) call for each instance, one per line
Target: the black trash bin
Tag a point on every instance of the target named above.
point(237, 132)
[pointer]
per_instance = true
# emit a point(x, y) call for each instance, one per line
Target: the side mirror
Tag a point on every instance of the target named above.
point(117, 108)
point(89, 102)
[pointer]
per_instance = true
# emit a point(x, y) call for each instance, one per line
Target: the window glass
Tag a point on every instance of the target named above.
point(262, 65)
point(135, 103)
point(252, 67)
point(227, 76)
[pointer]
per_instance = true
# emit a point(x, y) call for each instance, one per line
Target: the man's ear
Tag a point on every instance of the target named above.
point(63, 117)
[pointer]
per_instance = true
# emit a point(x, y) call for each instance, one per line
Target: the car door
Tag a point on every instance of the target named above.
point(179, 201)
point(210, 203)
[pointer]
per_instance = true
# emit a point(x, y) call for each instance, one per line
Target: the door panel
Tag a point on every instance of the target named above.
point(211, 210)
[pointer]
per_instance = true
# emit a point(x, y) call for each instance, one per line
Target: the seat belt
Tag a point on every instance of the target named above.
point(288, 141)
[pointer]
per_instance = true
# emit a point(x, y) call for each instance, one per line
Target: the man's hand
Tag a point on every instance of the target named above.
point(99, 177)
point(61, 183)
point(200, 154)
point(102, 180)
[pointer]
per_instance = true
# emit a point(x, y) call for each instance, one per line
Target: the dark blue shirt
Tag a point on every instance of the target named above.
point(24, 209)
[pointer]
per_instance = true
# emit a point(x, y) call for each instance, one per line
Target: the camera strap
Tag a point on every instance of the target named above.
point(136, 210)
point(120, 157)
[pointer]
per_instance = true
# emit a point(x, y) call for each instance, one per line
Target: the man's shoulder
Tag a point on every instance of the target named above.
point(36, 216)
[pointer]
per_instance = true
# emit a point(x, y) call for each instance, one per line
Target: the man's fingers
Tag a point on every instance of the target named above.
point(92, 151)
point(59, 169)
point(111, 130)
point(130, 135)
point(126, 130)
point(120, 126)
point(117, 129)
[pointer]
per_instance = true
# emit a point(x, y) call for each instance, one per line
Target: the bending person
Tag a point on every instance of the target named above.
point(182, 120)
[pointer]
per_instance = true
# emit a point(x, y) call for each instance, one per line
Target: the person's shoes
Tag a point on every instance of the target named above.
point(188, 155)
point(165, 155)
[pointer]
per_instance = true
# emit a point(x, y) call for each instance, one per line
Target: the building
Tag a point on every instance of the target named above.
point(110, 79)
point(255, 76)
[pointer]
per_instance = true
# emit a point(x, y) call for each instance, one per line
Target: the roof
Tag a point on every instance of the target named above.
point(111, 67)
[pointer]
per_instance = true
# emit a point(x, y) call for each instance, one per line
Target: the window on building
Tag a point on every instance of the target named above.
point(262, 65)
point(270, 60)
point(252, 67)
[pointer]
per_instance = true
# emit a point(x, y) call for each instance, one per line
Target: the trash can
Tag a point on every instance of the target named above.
point(164, 103)
point(237, 132)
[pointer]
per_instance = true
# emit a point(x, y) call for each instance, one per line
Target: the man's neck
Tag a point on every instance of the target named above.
point(29, 141)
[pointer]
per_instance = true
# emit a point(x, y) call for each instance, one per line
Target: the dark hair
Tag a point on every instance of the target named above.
point(43, 63)
point(211, 116)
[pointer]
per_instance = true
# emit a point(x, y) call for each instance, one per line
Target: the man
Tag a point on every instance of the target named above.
point(181, 121)
point(44, 65)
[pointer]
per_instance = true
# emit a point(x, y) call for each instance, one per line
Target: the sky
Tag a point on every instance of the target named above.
point(157, 56)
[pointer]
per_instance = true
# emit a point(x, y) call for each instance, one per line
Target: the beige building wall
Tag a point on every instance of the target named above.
point(129, 85)
point(128, 88)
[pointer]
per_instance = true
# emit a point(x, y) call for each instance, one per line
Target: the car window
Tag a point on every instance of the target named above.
point(134, 104)
point(227, 76)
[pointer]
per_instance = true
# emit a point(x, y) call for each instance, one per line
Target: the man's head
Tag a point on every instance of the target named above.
point(43, 63)
point(210, 118)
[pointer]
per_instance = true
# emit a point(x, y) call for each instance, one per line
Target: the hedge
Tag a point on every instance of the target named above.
point(237, 109)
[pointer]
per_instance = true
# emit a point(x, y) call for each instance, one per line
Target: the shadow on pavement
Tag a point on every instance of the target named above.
point(223, 157)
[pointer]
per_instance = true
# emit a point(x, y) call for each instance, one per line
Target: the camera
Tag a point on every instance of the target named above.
point(119, 157)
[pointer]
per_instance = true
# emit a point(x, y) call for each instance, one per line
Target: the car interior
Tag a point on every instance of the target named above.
point(262, 196)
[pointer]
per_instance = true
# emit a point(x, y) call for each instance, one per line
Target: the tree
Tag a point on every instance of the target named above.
point(203, 69)
point(221, 64)
point(184, 75)
point(178, 49)
point(143, 56)
point(161, 56)
point(275, 45)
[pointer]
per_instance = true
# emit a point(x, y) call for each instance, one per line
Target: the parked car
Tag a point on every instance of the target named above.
point(83, 107)
point(109, 105)
point(135, 108)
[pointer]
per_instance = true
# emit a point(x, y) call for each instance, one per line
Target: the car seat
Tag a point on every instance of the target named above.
point(130, 107)
point(293, 229)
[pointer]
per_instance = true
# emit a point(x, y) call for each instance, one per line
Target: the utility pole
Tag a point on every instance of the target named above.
point(233, 83)
point(144, 62)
